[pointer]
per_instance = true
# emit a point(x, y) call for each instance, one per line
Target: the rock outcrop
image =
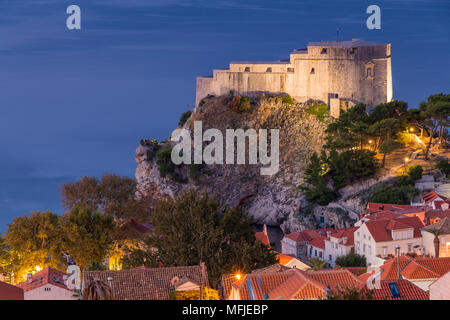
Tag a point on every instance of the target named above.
point(273, 200)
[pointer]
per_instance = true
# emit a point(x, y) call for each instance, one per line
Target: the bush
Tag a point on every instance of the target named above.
point(184, 117)
point(351, 260)
point(444, 167)
point(287, 100)
point(241, 104)
point(415, 172)
point(166, 166)
point(394, 194)
point(320, 110)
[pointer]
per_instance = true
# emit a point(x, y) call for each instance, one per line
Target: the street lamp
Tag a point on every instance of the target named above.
point(405, 162)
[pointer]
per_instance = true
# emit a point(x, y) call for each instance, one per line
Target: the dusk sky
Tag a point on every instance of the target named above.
point(75, 103)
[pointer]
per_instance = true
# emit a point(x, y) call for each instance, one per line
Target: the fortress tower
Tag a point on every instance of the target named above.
point(339, 73)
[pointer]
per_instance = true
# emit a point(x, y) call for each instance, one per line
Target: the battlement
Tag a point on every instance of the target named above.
point(339, 73)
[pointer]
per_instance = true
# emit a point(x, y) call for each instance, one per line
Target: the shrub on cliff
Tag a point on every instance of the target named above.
point(400, 191)
point(184, 117)
point(287, 100)
point(444, 167)
point(165, 165)
point(320, 110)
point(241, 104)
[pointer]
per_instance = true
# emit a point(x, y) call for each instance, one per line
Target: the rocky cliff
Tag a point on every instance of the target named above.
point(273, 200)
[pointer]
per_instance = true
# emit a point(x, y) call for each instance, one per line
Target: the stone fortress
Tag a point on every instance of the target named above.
point(338, 73)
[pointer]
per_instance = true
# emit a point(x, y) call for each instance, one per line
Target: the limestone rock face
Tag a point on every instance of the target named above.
point(273, 200)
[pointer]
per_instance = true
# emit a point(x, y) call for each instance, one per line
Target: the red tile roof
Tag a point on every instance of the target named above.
point(10, 292)
point(340, 278)
point(431, 196)
point(292, 284)
point(406, 289)
point(149, 283)
point(415, 268)
point(348, 232)
point(381, 229)
point(298, 236)
point(318, 242)
point(43, 277)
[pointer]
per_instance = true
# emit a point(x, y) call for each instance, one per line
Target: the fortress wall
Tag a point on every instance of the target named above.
point(251, 83)
point(203, 88)
point(322, 72)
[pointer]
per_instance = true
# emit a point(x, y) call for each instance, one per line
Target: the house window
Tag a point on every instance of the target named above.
point(290, 69)
point(324, 51)
point(269, 69)
point(312, 71)
point(320, 254)
point(310, 251)
point(369, 72)
point(370, 250)
point(329, 257)
point(247, 69)
point(409, 247)
point(357, 245)
point(364, 248)
point(384, 251)
point(315, 253)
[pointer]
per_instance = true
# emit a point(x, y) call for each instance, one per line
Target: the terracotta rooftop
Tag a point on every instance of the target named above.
point(381, 229)
point(442, 225)
point(415, 268)
point(10, 292)
point(43, 277)
point(406, 291)
point(148, 283)
point(291, 284)
point(273, 268)
point(431, 196)
point(318, 242)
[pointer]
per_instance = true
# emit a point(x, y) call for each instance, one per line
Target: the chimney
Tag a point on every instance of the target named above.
point(29, 277)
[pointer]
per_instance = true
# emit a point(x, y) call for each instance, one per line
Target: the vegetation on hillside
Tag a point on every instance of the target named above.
point(223, 239)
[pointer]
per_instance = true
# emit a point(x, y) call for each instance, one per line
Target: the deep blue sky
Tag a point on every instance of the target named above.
point(76, 103)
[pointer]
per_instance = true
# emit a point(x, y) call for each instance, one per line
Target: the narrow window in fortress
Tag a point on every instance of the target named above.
point(290, 69)
point(247, 69)
point(269, 69)
point(312, 71)
point(352, 50)
point(324, 51)
point(369, 72)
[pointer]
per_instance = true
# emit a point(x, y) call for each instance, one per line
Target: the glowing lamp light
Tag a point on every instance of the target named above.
point(238, 276)
point(38, 268)
point(406, 159)
point(411, 129)
point(370, 141)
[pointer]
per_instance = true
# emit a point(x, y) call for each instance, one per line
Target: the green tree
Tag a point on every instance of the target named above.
point(317, 264)
point(434, 115)
point(315, 176)
point(351, 260)
point(34, 241)
point(192, 229)
point(444, 167)
point(113, 196)
point(87, 236)
point(415, 172)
